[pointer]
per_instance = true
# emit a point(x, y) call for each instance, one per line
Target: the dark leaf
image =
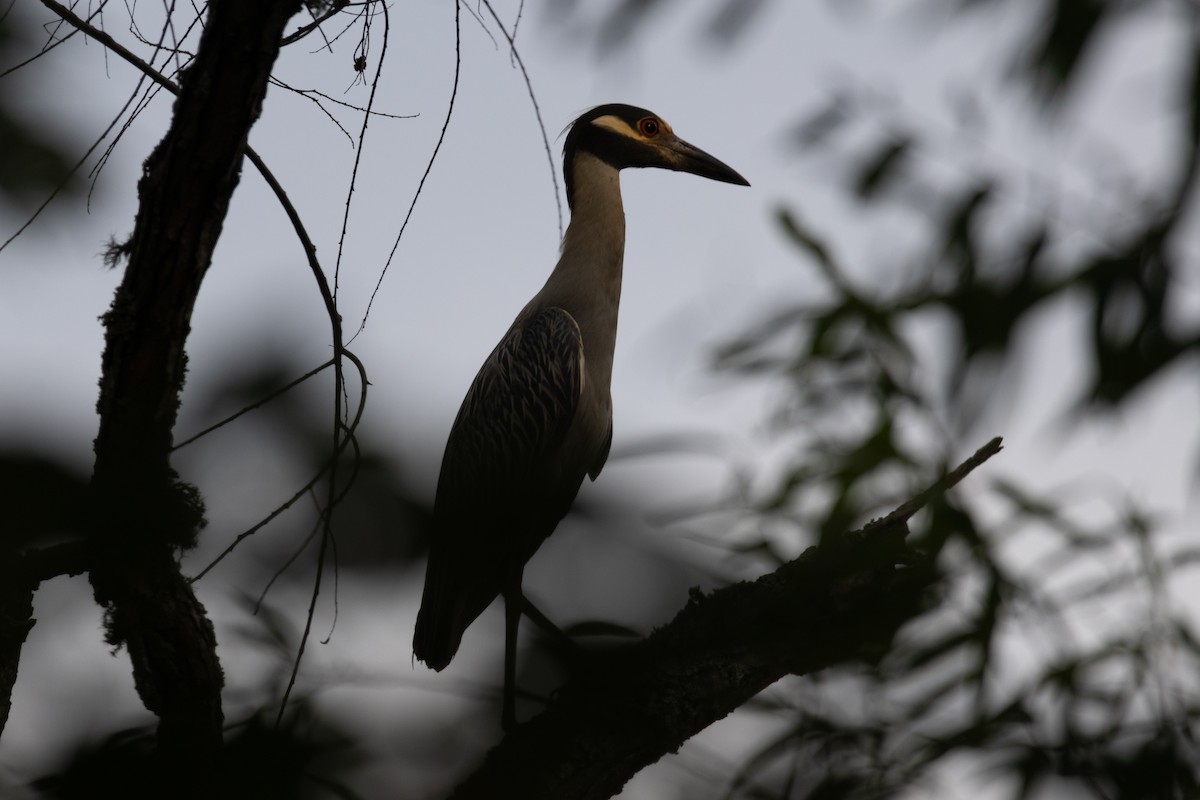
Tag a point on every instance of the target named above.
point(881, 168)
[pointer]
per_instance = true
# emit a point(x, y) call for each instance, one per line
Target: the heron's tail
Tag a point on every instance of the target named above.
point(439, 625)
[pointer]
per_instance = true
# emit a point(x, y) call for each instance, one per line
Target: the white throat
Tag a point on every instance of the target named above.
point(588, 274)
point(586, 282)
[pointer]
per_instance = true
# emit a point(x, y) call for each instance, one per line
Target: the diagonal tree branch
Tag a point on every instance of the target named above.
point(839, 601)
point(141, 512)
point(16, 620)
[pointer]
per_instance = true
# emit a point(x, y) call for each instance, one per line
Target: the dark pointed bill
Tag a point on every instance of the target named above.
point(689, 158)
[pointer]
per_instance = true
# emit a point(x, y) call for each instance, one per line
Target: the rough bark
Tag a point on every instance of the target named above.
point(840, 601)
point(141, 513)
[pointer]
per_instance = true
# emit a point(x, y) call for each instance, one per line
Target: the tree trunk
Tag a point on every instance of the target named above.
point(141, 512)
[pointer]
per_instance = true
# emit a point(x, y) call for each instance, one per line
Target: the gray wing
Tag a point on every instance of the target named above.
point(499, 492)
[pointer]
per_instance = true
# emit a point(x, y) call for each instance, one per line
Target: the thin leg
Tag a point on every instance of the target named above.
point(542, 621)
point(512, 619)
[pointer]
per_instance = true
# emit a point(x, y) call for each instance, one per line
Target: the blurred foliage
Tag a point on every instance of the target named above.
point(383, 519)
point(617, 25)
point(40, 498)
point(1056, 656)
point(303, 756)
point(1003, 666)
point(1059, 656)
point(31, 166)
point(1064, 31)
point(33, 163)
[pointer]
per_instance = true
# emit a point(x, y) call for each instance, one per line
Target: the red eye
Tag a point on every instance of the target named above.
point(648, 126)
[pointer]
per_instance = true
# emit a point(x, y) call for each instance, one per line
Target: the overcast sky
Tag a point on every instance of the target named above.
point(702, 259)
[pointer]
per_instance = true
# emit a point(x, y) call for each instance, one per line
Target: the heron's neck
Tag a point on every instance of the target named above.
point(588, 274)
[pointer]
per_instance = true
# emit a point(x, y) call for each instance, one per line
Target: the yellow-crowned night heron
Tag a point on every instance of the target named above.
point(538, 416)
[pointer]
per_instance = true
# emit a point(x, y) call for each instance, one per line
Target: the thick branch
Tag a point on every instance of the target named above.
point(836, 602)
point(141, 512)
point(20, 575)
point(16, 620)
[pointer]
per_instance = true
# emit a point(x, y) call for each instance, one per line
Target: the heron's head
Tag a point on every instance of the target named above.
point(627, 136)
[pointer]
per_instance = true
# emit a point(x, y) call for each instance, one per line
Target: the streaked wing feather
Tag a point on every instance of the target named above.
point(517, 411)
point(522, 401)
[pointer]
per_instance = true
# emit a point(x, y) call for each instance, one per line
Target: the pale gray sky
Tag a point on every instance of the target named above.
point(702, 259)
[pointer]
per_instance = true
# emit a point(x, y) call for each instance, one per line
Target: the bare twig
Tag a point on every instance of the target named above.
point(537, 111)
point(336, 7)
point(75, 168)
point(255, 405)
point(288, 562)
point(319, 99)
point(52, 42)
point(516, 24)
point(948, 481)
point(362, 135)
point(428, 166)
point(305, 489)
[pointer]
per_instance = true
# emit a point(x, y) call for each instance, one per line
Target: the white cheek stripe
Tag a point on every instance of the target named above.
point(616, 125)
